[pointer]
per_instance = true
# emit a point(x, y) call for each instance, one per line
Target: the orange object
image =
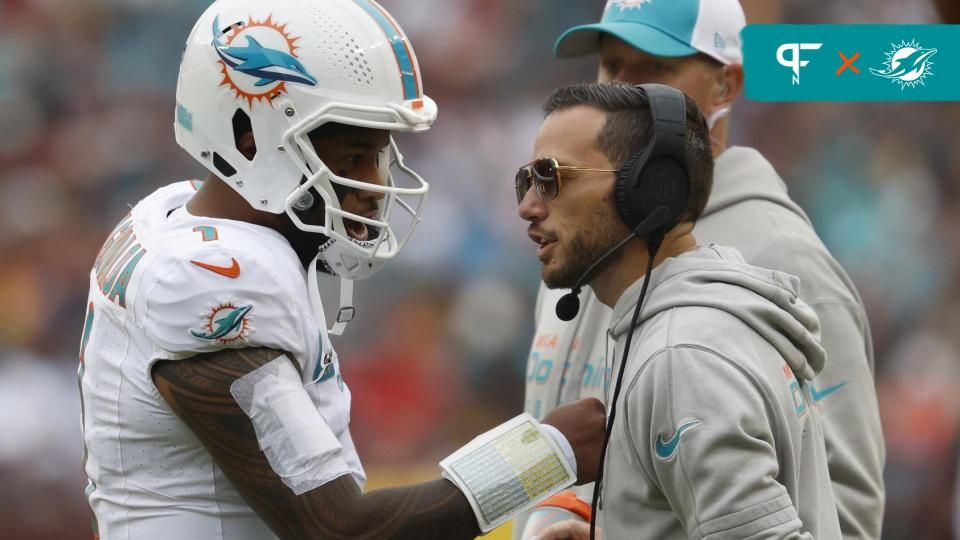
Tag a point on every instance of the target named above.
point(568, 500)
point(848, 63)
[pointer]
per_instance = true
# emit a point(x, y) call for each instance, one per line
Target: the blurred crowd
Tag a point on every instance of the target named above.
point(438, 349)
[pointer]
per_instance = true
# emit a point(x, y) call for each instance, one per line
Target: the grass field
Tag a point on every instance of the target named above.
point(395, 476)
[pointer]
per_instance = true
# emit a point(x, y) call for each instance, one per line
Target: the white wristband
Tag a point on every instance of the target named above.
point(563, 443)
point(510, 468)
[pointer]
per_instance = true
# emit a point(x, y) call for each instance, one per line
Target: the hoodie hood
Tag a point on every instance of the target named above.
point(717, 277)
point(742, 174)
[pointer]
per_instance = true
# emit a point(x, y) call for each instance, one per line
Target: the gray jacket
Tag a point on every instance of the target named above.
point(751, 210)
point(717, 435)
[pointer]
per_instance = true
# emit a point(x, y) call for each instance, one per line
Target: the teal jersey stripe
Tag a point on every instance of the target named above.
point(408, 73)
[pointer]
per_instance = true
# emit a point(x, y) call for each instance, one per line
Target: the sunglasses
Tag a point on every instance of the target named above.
point(544, 173)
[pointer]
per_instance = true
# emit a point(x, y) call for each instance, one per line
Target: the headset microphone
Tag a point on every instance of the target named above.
point(569, 304)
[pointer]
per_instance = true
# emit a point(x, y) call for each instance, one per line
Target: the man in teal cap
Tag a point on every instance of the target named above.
point(694, 45)
point(691, 45)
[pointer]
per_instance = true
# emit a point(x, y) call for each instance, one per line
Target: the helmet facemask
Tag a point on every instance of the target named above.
point(357, 245)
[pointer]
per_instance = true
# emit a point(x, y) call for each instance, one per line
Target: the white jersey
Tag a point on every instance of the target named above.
point(168, 285)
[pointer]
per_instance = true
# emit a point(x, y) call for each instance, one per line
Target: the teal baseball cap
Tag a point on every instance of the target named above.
point(664, 28)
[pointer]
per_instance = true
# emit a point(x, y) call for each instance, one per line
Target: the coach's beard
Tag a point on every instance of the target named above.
point(592, 241)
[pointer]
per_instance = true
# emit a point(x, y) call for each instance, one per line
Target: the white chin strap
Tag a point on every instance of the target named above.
point(346, 310)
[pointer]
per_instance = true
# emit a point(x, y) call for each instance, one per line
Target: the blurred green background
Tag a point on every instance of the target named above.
point(438, 351)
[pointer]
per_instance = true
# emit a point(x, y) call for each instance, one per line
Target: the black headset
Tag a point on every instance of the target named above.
point(657, 175)
point(652, 186)
point(651, 195)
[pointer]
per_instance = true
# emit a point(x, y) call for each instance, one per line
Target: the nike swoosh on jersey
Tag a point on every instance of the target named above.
point(232, 271)
point(817, 395)
point(668, 449)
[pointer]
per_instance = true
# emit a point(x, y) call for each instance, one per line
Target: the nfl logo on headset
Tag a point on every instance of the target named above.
point(665, 188)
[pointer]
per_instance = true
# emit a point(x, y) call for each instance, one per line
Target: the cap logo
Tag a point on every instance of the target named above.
point(624, 5)
point(718, 41)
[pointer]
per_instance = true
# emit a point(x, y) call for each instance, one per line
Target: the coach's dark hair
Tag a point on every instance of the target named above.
point(629, 128)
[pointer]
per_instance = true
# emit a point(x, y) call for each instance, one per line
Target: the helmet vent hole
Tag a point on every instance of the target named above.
point(242, 126)
point(224, 168)
point(343, 50)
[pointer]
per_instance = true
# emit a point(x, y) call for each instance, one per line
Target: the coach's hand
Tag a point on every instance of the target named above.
point(583, 423)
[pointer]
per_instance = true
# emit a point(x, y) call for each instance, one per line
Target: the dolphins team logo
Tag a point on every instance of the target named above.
point(624, 5)
point(225, 323)
point(258, 59)
point(907, 64)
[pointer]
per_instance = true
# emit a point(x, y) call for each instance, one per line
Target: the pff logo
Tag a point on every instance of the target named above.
point(794, 62)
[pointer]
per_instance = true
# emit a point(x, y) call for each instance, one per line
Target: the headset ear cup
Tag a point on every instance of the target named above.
point(663, 182)
point(625, 192)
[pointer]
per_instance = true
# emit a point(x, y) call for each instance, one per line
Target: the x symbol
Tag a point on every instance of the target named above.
point(848, 62)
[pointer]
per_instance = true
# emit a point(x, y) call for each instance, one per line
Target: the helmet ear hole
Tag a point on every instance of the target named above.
point(243, 138)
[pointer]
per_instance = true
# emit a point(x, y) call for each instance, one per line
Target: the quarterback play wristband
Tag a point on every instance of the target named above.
point(509, 469)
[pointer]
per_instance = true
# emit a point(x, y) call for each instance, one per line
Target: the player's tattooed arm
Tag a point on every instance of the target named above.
point(198, 391)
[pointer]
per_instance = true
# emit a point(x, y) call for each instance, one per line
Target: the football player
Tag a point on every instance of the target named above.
point(213, 405)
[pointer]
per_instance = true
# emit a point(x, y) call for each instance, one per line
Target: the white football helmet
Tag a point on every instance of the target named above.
point(283, 68)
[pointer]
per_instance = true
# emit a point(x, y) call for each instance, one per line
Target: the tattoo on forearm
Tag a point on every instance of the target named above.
point(198, 391)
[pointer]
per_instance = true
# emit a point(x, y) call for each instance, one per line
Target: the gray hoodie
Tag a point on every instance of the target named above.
point(751, 210)
point(717, 435)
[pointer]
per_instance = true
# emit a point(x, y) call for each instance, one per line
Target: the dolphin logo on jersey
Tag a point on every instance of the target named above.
point(268, 56)
point(225, 323)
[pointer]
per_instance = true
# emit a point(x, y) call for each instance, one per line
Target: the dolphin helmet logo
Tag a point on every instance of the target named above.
point(258, 59)
point(907, 64)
